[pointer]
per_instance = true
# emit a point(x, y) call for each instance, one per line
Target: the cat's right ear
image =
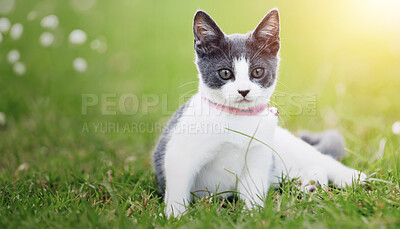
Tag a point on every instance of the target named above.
point(207, 34)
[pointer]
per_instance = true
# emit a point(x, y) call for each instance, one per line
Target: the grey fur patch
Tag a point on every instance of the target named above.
point(161, 147)
point(329, 142)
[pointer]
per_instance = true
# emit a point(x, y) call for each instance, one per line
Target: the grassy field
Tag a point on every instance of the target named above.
point(67, 161)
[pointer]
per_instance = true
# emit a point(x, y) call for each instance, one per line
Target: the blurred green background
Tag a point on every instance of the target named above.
point(343, 56)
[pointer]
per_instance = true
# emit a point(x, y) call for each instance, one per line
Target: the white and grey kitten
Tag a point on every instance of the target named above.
point(237, 73)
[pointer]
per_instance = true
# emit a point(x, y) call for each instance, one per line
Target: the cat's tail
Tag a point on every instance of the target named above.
point(329, 142)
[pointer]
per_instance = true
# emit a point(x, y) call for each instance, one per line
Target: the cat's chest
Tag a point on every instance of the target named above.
point(240, 130)
point(223, 130)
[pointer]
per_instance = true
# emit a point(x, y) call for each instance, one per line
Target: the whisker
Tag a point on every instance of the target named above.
point(284, 85)
point(226, 57)
point(281, 92)
point(187, 93)
point(280, 108)
point(190, 82)
point(279, 117)
point(264, 46)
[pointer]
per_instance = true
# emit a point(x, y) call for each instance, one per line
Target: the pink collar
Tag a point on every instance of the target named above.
point(250, 111)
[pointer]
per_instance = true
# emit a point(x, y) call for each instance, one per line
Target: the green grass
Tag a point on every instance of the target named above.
point(339, 69)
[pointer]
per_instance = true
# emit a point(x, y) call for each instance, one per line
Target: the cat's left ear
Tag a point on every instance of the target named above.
point(267, 31)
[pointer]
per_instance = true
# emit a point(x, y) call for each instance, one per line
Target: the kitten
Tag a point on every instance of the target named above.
point(237, 75)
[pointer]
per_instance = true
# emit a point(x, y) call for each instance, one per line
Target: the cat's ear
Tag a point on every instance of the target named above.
point(207, 34)
point(267, 31)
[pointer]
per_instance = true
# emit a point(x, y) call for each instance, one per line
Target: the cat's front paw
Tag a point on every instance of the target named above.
point(175, 210)
point(312, 186)
point(348, 177)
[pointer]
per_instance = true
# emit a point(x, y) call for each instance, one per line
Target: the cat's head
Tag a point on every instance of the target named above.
point(237, 70)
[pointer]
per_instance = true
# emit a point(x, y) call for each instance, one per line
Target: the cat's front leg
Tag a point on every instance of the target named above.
point(313, 177)
point(255, 180)
point(179, 176)
point(183, 160)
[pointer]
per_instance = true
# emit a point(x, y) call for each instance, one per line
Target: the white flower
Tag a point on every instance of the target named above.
point(80, 64)
point(13, 56)
point(50, 22)
point(19, 68)
point(16, 31)
point(82, 5)
point(95, 44)
point(99, 45)
point(4, 24)
point(46, 39)
point(77, 37)
point(6, 6)
point(2, 119)
point(31, 15)
point(396, 128)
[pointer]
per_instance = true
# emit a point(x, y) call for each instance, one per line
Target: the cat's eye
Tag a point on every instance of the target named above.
point(225, 74)
point(257, 73)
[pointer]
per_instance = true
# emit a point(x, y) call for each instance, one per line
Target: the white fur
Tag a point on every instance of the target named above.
point(299, 159)
point(215, 161)
point(207, 161)
point(241, 67)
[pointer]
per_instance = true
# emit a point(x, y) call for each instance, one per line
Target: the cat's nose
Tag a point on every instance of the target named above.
point(244, 92)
